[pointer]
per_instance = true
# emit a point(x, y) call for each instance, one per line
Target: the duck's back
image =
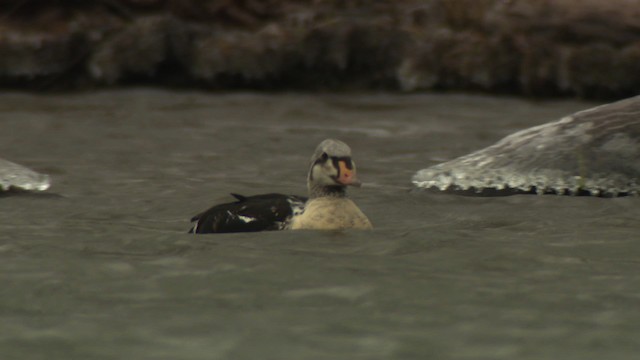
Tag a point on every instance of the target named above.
point(327, 213)
point(249, 213)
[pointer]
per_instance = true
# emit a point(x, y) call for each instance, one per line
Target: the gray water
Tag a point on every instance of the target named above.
point(100, 266)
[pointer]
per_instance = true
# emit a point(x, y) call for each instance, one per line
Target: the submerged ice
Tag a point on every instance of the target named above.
point(596, 151)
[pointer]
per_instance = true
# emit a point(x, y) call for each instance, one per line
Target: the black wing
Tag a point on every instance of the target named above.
point(249, 213)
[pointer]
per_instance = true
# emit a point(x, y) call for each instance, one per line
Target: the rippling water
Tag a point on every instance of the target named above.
point(101, 267)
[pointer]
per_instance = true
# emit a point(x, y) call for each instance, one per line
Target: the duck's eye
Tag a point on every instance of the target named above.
point(324, 156)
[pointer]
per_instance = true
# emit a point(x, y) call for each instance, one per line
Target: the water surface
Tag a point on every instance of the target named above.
point(101, 267)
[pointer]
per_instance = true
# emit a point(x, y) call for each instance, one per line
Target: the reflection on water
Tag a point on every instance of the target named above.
point(106, 269)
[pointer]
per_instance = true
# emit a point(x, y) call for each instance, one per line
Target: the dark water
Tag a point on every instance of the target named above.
point(104, 269)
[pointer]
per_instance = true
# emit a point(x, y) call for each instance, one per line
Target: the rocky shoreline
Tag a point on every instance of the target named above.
point(588, 48)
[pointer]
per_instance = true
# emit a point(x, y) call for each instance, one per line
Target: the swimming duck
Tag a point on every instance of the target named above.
point(326, 208)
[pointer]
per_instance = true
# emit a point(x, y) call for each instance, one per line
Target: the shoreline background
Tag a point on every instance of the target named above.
point(569, 48)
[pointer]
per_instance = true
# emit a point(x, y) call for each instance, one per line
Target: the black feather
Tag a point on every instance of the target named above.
point(248, 213)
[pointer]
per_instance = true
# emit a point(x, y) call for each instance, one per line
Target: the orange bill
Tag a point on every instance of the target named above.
point(347, 176)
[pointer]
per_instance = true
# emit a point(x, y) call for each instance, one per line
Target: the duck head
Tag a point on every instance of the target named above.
point(332, 169)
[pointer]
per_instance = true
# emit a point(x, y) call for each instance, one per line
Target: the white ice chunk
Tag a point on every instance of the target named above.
point(596, 150)
point(17, 176)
